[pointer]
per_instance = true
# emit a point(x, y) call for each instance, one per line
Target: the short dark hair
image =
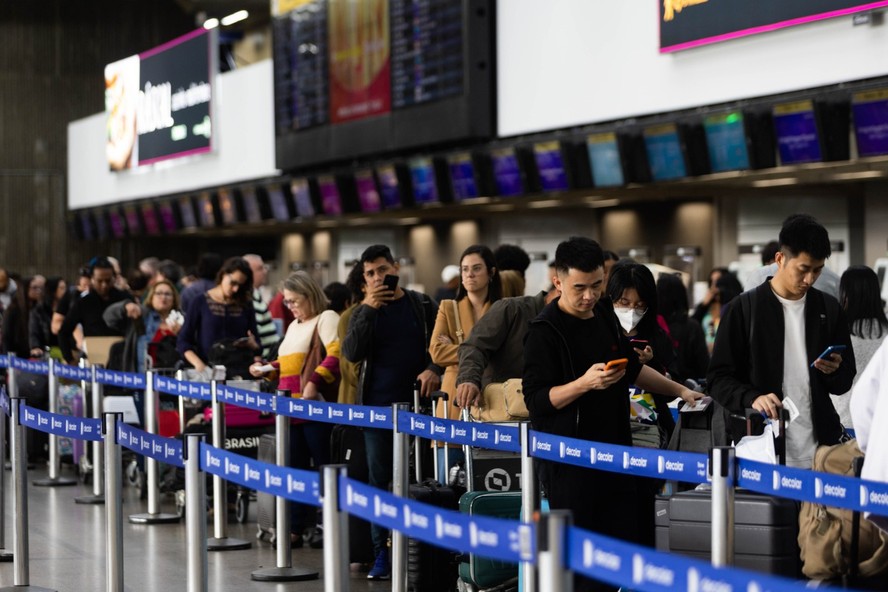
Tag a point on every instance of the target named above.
point(99, 263)
point(170, 270)
point(611, 256)
point(672, 297)
point(355, 281)
point(231, 265)
point(338, 296)
point(802, 233)
point(860, 296)
point(769, 251)
point(494, 288)
point(208, 265)
point(511, 257)
point(374, 252)
point(629, 274)
point(580, 253)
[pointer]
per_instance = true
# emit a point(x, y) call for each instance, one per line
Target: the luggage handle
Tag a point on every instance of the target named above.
point(754, 421)
point(417, 445)
point(467, 452)
point(435, 397)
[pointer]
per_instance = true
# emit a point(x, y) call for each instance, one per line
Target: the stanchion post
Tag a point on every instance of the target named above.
point(284, 570)
point(19, 456)
point(400, 487)
point(114, 507)
point(721, 467)
point(417, 443)
point(195, 516)
point(551, 551)
point(5, 555)
point(528, 502)
point(98, 465)
point(336, 543)
point(180, 376)
point(220, 540)
point(53, 479)
point(152, 472)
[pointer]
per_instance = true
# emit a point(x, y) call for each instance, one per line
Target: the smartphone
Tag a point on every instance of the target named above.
point(619, 364)
point(639, 343)
point(390, 282)
point(833, 349)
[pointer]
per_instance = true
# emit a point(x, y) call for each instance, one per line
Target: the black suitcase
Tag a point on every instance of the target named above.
point(431, 568)
point(266, 512)
point(347, 447)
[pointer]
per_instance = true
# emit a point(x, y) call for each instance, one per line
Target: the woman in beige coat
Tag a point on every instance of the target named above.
point(478, 289)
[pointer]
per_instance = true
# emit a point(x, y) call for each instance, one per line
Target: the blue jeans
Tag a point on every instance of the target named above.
point(380, 459)
point(308, 441)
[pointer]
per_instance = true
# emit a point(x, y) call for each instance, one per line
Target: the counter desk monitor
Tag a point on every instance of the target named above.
point(726, 142)
point(331, 200)
point(368, 195)
point(301, 191)
point(550, 166)
point(422, 176)
point(227, 206)
point(798, 139)
point(252, 211)
point(168, 217)
point(870, 109)
point(507, 172)
point(150, 220)
point(389, 187)
point(604, 160)
point(665, 153)
point(206, 212)
point(186, 212)
point(100, 218)
point(87, 227)
point(117, 224)
point(463, 180)
point(277, 203)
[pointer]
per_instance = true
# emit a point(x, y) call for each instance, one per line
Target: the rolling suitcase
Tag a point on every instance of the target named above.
point(766, 528)
point(347, 447)
point(482, 572)
point(266, 514)
point(70, 402)
point(431, 568)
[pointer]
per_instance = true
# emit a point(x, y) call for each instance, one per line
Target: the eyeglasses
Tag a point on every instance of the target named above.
point(296, 301)
point(236, 284)
point(164, 294)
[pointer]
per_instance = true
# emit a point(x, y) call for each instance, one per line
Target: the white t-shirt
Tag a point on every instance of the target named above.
point(800, 441)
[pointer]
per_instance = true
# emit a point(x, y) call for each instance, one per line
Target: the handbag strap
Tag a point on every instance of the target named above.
point(459, 331)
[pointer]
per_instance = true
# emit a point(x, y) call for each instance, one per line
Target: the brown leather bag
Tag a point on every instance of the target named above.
point(316, 354)
point(501, 402)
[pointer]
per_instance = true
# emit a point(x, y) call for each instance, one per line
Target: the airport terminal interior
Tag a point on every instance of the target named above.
point(679, 134)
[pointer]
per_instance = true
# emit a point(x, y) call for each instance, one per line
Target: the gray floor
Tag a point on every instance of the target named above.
point(67, 548)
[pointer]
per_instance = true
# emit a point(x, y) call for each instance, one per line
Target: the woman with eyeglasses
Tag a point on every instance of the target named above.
point(220, 326)
point(308, 366)
point(478, 289)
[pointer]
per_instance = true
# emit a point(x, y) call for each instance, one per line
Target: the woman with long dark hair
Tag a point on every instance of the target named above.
point(692, 355)
point(860, 297)
point(40, 324)
point(16, 320)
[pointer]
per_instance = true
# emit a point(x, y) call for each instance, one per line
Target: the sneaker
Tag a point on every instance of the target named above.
point(382, 569)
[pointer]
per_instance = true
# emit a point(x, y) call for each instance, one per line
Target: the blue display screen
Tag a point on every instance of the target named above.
point(796, 129)
point(251, 205)
point(278, 204)
point(389, 190)
point(550, 165)
point(302, 198)
point(726, 140)
point(86, 226)
point(871, 122)
point(101, 225)
point(506, 172)
point(664, 152)
point(186, 211)
point(462, 176)
point(604, 158)
point(422, 173)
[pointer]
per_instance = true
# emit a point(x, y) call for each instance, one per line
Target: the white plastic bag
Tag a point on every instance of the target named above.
point(758, 448)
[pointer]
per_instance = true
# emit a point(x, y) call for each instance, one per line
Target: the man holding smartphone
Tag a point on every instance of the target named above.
point(570, 391)
point(767, 352)
point(389, 335)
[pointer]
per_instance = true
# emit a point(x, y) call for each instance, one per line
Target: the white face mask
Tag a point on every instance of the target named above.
point(629, 317)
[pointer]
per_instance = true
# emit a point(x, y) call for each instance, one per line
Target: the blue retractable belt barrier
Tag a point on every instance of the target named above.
point(259, 401)
point(509, 540)
point(183, 388)
point(129, 380)
point(4, 361)
point(4, 400)
point(479, 435)
point(29, 366)
point(357, 415)
point(165, 450)
point(78, 428)
point(294, 484)
point(73, 372)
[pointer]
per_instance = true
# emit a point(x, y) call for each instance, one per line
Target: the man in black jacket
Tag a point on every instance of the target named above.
point(389, 333)
point(767, 348)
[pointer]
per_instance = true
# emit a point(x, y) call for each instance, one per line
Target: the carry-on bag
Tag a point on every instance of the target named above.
point(347, 447)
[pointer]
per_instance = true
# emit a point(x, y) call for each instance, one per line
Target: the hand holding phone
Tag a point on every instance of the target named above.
point(619, 364)
point(639, 343)
point(391, 282)
point(833, 349)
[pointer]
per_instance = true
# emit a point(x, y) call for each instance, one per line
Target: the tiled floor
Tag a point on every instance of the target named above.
point(67, 548)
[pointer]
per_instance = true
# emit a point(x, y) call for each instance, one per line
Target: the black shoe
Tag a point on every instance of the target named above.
point(316, 538)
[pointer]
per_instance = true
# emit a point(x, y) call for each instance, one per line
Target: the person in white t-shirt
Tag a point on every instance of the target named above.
point(767, 352)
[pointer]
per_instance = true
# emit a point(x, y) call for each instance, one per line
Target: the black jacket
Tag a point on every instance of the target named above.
point(747, 360)
point(356, 347)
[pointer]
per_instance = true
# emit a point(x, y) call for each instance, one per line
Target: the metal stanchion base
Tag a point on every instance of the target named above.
point(6, 556)
point(57, 482)
point(88, 499)
point(283, 574)
point(159, 518)
point(19, 588)
point(227, 544)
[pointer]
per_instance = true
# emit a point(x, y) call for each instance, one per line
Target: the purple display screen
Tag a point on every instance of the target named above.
point(330, 199)
point(368, 196)
point(118, 230)
point(389, 189)
point(506, 172)
point(186, 211)
point(302, 198)
point(168, 217)
point(422, 173)
point(796, 129)
point(871, 122)
point(278, 203)
point(550, 165)
point(462, 176)
point(251, 205)
point(149, 219)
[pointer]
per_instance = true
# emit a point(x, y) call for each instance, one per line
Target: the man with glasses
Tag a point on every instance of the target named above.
point(389, 333)
point(87, 310)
